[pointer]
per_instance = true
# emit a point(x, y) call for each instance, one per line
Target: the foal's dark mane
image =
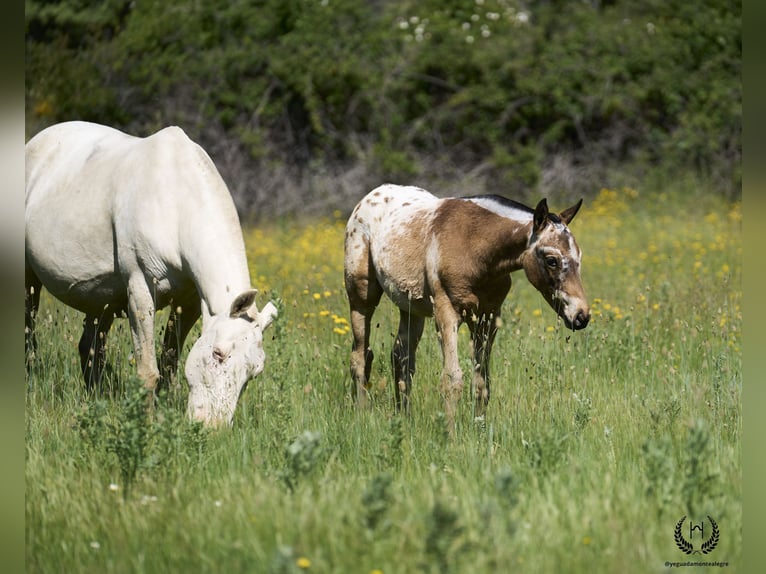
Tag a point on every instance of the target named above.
point(505, 202)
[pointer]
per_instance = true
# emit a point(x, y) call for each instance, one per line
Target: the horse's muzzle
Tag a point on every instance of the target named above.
point(580, 321)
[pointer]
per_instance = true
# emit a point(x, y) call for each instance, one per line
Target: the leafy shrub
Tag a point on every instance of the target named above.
point(507, 90)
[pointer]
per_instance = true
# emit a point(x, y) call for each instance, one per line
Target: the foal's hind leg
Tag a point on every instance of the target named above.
point(92, 346)
point(364, 293)
point(403, 356)
point(362, 309)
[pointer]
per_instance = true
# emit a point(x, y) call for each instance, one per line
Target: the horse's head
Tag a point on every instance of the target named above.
point(552, 265)
point(228, 353)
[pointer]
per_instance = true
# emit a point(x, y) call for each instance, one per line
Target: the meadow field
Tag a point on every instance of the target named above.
point(598, 449)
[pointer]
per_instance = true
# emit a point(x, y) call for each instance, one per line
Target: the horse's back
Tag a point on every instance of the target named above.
point(94, 195)
point(392, 210)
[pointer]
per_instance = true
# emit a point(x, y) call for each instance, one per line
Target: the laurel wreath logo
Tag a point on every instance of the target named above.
point(710, 544)
point(684, 545)
point(687, 548)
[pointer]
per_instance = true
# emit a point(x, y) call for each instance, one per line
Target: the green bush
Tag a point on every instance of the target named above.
point(406, 88)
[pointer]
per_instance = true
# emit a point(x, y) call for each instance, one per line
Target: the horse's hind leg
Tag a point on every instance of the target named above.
point(361, 354)
point(92, 347)
point(403, 356)
point(32, 287)
point(364, 293)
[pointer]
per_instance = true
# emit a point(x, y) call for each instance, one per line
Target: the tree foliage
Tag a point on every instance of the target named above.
point(521, 94)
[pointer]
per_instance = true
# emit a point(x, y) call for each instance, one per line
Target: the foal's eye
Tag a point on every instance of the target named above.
point(551, 261)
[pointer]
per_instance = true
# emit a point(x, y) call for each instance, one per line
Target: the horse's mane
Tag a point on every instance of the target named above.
point(510, 204)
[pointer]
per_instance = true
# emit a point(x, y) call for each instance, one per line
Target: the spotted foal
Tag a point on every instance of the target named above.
point(452, 259)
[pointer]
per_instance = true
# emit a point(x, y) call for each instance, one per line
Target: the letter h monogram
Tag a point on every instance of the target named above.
point(699, 527)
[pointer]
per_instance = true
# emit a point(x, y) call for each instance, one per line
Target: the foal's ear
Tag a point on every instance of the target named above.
point(568, 214)
point(541, 215)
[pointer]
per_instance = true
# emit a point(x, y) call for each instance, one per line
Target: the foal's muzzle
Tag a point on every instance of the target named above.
point(580, 321)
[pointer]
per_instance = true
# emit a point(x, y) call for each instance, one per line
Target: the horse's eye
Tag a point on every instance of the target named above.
point(551, 262)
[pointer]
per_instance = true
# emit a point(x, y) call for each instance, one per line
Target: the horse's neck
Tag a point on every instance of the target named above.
point(509, 247)
point(215, 253)
point(502, 233)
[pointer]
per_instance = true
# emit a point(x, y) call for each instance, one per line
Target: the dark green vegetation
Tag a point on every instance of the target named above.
point(306, 104)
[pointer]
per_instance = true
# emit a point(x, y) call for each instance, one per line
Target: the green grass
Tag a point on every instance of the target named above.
point(595, 445)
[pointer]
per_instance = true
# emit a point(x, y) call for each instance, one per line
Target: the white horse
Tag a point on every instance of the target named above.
point(117, 223)
point(452, 259)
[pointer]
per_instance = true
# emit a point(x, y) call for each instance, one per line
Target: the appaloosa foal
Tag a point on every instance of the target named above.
point(452, 259)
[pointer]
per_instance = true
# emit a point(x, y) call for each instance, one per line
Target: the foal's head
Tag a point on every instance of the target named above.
point(552, 265)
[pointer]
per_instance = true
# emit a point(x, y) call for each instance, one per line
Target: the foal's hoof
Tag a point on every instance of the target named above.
point(362, 397)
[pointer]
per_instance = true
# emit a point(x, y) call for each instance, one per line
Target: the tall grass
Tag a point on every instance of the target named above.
point(596, 443)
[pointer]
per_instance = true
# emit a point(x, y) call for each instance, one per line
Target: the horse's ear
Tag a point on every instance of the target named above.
point(568, 214)
point(242, 304)
point(541, 215)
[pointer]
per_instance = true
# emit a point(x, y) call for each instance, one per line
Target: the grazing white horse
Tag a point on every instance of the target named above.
point(117, 223)
point(452, 259)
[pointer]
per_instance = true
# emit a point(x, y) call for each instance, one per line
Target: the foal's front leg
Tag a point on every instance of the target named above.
point(447, 324)
point(483, 332)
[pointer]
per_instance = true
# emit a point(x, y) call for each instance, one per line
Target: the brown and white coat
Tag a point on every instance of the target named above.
point(452, 259)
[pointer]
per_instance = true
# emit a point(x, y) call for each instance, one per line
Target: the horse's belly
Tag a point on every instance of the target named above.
point(92, 295)
point(74, 264)
point(82, 268)
point(401, 271)
point(409, 300)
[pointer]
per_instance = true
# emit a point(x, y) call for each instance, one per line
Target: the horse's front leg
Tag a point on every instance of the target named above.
point(182, 317)
point(141, 317)
point(403, 357)
point(483, 331)
point(447, 324)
